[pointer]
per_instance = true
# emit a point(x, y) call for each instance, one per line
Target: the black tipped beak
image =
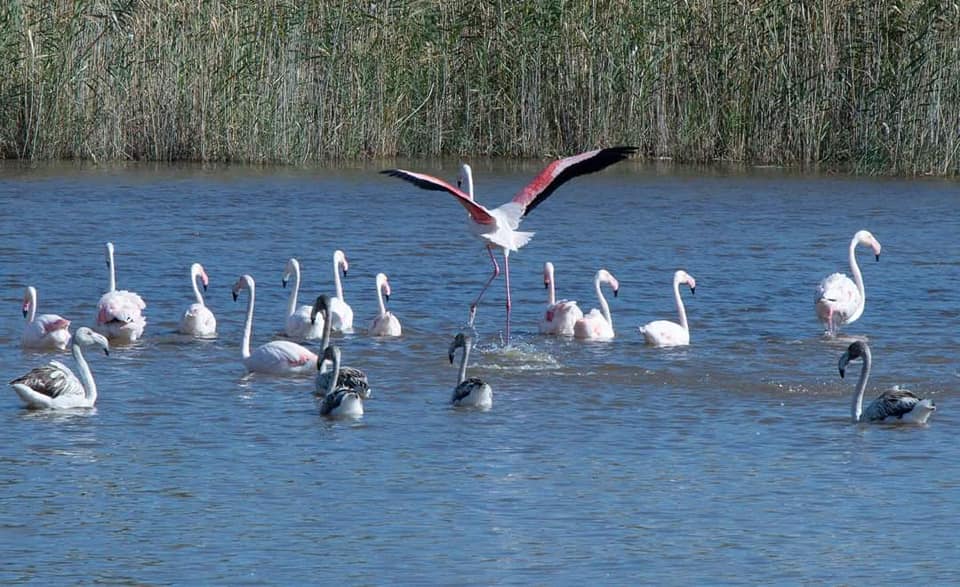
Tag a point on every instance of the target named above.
point(24, 313)
point(204, 287)
point(841, 372)
point(386, 297)
point(344, 272)
point(106, 352)
point(693, 291)
point(450, 356)
point(546, 285)
point(234, 296)
point(616, 292)
point(878, 257)
point(283, 282)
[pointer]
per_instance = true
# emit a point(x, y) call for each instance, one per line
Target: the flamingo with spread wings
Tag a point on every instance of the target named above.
point(497, 227)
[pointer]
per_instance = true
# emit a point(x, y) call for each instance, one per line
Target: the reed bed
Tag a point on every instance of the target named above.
point(872, 87)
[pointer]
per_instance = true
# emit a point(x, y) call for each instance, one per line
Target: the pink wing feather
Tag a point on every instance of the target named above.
point(478, 213)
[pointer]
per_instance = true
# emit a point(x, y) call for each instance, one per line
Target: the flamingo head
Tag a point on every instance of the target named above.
point(340, 258)
point(244, 282)
point(460, 340)
point(865, 237)
point(856, 350)
point(87, 337)
point(109, 254)
point(383, 285)
point(684, 277)
point(28, 296)
point(292, 268)
point(547, 274)
point(197, 271)
point(321, 305)
point(604, 276)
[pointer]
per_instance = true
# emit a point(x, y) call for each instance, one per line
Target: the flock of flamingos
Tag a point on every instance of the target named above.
point(342, 390)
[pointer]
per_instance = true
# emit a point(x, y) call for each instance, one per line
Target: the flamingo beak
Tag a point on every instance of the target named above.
point(235, 296)
point(844, 359)
point(24, 311)
point(106, 352)
point(386, 297)
point(283, 282)
point(204, 287)
point(878, 256)
point(693, 290)
point(616, 292)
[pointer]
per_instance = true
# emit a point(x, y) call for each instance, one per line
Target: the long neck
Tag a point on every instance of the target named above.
point(113, 272)
point(32, 310)
point(248, 327)
point(89, 385)
point(462, 375)
point(468, 180)
point(196, 288)
point(856, 409)
point(292, 302)
point(335, 374)
point(679, 301)
point(604, 306)
point(855, 269)
point(383, 306)
point(336, 276)
point(551, 293)
point(327, 328)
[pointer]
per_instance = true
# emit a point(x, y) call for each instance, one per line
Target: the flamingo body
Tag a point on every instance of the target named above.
point(338, 400)
point(278, 357)
point(43, 331)
point(298, 324)
point(119, 312)
point(497, 227)
point(840, 300)
point(197, 319)
point(598, 324)
point(560, 316)
point(664, 333)
point(384, 323)
point(470, 392)
point(55, 386)
point(346, 377)
point(897, 406)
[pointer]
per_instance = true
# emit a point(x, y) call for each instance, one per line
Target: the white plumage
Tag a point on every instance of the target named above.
point(664, 333)
point(385, 323)
point(598, 324)
point(838, 299)
point(119, 312)
point(298, 324)
point(560, 316)
point(197, 319)
point(43, 331)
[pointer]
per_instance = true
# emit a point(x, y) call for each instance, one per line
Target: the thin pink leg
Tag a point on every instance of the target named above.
point(496, 272)
point(506, 272)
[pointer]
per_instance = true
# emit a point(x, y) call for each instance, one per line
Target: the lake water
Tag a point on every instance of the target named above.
point(731, 461)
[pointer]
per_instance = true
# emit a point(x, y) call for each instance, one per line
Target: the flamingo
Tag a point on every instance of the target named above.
point(298, 323)
point(278, 357)
point(840, 300)
point(46, 331)
point(598, 324)
point(895, 406)
point(560, 316)
point(338, 401)
point(472, 392)
point(119, 312)
point(197, 319)
point(664, 333)
point(350, 377)
point(385, 323)
point(340, 311)
point(54, 386)
point(497, 227)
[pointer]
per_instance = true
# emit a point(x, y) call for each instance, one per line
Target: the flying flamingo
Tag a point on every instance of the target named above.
point(278, 357)
point(385, 323)
point(560, 316)
point(197, 319)
point(840, 300)
point(664, 333)
point(119, 312)
point(895, 405)
point(46, 331)
point(340, 311)
point(55, 386)
point(298, 324)
point(598, 325)
point(497, 227)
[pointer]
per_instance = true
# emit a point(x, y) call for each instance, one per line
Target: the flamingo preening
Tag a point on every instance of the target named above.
point(497, 227)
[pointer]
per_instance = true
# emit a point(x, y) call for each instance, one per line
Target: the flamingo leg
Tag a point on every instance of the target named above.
point(496, 272)
point(506, 273)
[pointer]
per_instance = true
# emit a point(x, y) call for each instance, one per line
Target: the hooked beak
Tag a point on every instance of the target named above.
point(235, 296)
point(24, 312)
point(450, 356)
point(616, 292)
point(693, 290)
point(386, 297)
point(283, 282)
point(106, 352)
point(878, 256)
point(842, 365)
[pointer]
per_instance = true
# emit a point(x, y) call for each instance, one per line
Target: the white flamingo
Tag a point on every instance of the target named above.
point(560, 316)
point(472, 392)
point(119, 312)
point(298, 324)
point(893, 406)
point(840, 300)
point(278, 357)
point(338, 401)
point(43, 331)
point(664, 333)
point(349, 377)
point(340, 311)
point(385, 323)
point(598, 324)
point(197, 319)
point(54, 386)
point(497, 227)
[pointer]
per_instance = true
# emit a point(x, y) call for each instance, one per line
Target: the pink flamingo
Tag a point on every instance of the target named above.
point(560, 316)
point(50, 331)
point(497, 227)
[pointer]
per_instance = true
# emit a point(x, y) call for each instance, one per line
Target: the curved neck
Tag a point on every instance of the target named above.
point(855, 269)
point(32, 300)
point(679, 301)
point(248, 327)
point(327, 328)
point(292, 302)
point(113, 272)
point(383, 306)
point(196, 287)
point(856, 409)
point(551, 293)
point(604, 307)
point(334, 374)
point(336, 276)
point(462, 375)
point(89, 385)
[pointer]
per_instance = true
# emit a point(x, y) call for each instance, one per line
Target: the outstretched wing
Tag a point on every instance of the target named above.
point(478, 213)
point(563, 170)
